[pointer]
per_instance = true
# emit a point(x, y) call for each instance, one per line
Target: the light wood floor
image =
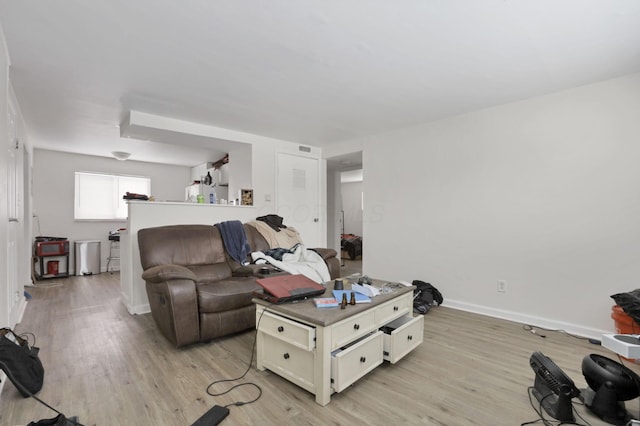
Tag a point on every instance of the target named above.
point(111, 368)
point(350, 267)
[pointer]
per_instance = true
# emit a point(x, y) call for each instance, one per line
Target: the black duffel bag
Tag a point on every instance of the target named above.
point(20, 363)
point(425, 296)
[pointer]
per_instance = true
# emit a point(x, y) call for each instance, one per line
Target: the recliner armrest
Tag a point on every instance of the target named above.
point(244, 271)
point(326, 253)
point(162, 273)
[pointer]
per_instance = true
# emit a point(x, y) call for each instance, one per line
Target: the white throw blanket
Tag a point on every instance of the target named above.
point(301, 261)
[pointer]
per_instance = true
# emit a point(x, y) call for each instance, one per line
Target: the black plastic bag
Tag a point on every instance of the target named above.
point(59, 420)
point(425, 296)
point(20, 362)
point(630, 303)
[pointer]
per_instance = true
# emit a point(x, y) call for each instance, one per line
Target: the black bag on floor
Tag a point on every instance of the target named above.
point(20, 363)
point(629, 302)
point(22, 366)
point(59, 420)
point(425, 296)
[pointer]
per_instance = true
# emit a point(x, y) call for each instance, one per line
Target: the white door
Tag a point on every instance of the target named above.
point(298, 196)
point(13, 294)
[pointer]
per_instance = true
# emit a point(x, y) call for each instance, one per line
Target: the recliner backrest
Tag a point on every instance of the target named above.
point(184, 245)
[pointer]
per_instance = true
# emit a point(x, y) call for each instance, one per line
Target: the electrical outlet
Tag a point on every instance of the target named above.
point(502, 286)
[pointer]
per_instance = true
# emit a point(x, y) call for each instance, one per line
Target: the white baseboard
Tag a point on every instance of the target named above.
point(575, 329)
point(141, 309)
point(138, 309)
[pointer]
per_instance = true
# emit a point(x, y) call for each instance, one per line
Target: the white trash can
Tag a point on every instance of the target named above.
point(87, 257)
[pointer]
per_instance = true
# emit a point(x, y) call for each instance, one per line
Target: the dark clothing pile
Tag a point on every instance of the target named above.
point(278, 253)
point(273, 220)
point(134, 196)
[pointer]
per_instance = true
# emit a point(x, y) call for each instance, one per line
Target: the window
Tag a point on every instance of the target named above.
point(99, 196)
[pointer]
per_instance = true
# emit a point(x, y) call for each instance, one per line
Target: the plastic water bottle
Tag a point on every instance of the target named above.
point(212, 198)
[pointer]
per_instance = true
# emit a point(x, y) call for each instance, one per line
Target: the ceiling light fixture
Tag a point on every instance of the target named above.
point(120, 155)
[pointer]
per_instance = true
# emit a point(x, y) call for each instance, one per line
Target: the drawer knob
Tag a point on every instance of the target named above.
point(286, 356)
point(395, 308)
point(409, 337)
point(281, 329)
point(363, 359)
point(356, 326)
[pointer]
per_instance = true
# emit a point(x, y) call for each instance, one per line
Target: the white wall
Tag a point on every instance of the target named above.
point(543, 193)
point(242, 175)
point(53, 193)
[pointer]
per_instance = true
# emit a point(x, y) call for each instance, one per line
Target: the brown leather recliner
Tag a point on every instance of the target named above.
point(196, 291)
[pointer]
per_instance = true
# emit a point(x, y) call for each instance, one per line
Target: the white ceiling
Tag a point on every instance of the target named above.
point(309, 71)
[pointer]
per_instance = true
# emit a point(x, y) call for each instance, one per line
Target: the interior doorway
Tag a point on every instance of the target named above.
point(351, 235)
point(345, 199)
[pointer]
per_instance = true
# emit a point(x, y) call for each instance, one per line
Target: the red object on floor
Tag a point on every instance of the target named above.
point(624, 323)
point(52, 267)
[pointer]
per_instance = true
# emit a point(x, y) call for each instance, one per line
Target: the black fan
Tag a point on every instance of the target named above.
point(610, 383)
point(552, 388)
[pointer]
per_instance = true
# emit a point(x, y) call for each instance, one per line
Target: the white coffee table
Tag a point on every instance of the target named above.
point(325, 350)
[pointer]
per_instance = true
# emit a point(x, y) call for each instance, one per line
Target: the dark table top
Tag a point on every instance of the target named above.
point(307, 311)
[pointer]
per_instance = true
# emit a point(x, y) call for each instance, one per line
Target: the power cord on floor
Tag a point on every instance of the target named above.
point(621, 360)
point(23, 389)
point(534, 330)
point(547, 422)
point(70, 420)
point(25, 336)
point(240, 403)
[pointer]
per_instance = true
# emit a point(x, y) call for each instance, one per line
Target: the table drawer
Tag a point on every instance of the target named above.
point(356, 360)
point(292, 332)
point(289, 361)
point(394, 309)
point(352, 328)
point(402, 336)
